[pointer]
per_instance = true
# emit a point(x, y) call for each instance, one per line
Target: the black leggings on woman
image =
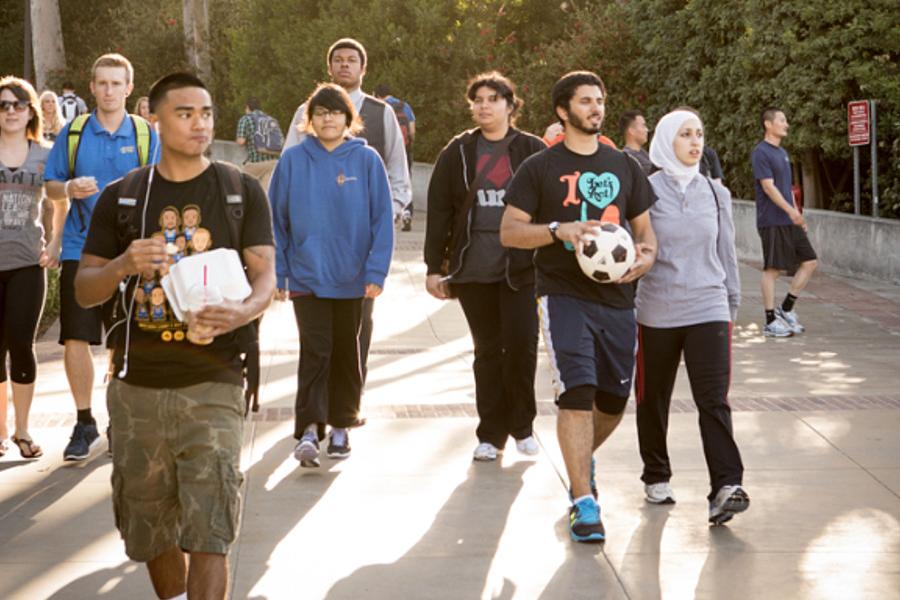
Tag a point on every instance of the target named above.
point(21, 302)
point(707, 356)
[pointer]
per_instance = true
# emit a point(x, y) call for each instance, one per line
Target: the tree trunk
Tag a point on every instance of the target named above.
point(47, 43)
point(811, 180)
point(196, 38)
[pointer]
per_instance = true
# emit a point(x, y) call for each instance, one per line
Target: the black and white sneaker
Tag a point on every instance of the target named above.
point(406, 221)
point(338, 444)
point(729, 500)
point(307, 450)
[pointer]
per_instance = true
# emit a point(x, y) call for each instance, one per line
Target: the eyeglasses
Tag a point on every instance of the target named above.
point(18, 105)
point(324, 112)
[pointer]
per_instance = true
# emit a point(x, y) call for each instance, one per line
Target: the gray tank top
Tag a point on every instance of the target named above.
point(21, 191)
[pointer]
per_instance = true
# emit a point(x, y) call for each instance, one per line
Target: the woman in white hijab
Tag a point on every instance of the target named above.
point(685, 306)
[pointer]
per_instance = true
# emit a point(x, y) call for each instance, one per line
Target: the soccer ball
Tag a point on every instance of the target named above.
point(607, 254)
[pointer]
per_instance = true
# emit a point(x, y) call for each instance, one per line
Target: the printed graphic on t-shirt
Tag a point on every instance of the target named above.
point(183, 236)
point(17, 197)
point(492, 193)
point(597, 190)
point(16, 209)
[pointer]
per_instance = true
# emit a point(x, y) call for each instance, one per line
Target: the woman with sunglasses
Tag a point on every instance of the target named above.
point(23, 255)
point(334, 234)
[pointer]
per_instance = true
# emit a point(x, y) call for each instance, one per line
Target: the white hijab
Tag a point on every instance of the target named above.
point(662, 151)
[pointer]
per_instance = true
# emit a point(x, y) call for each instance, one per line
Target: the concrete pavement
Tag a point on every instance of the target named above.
point(817, 418)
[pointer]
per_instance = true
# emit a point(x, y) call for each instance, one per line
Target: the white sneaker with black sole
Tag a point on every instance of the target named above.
point(790, 319)
point(728, 501)
point(485, 452)
point(778, 328)
point(659, 493)
point(528, 446)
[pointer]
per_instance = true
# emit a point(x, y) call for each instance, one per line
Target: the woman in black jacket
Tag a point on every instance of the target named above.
point(495, 285)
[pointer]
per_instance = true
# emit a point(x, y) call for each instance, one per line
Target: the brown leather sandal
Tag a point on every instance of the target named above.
point(27, 448)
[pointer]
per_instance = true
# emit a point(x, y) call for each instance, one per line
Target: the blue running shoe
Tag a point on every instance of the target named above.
point(584, 522)
point(85, 438)
point(593, 481)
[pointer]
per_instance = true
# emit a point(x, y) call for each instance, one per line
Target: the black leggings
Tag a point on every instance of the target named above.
point(707, 356)
point(21, 303)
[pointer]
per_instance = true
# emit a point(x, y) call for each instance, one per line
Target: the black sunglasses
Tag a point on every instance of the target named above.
point(19, 105)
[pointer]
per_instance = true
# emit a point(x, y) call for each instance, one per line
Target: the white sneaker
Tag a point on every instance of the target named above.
point(729, 500)
point(528, 446)
point(778, 328)
point(790, 319)
point(659, 493)
point(485, 452)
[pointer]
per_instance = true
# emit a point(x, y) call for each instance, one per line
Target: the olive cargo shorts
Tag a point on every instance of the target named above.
point(176, 466)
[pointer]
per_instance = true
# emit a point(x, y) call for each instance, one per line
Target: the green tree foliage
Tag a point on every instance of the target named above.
point(727, 58)
point(732, 58)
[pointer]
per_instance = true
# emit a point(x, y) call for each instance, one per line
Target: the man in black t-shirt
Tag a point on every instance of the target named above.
point(176, 406)
point(554, 199)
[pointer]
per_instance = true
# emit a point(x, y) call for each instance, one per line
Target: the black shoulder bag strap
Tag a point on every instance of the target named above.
point(231, 186)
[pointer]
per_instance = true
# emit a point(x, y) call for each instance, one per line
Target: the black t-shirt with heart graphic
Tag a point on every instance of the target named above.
point(560, 185)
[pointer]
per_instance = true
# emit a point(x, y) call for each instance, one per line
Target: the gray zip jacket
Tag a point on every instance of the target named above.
point(695, 277)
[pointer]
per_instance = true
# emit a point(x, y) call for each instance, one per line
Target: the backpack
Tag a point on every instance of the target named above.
point(267, 135)
point(73, 142)
point(68, 104)
point(402, 118)
point(129, 205)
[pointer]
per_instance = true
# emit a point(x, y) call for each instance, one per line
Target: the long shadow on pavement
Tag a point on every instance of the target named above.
point(270, 515)
point(453, 559)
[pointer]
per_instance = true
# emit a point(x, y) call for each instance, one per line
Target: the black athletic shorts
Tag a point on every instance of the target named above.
point(590, 346)
point(785, 247)
point(76, 323)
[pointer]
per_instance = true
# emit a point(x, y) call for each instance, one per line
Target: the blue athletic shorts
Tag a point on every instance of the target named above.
point(589, 344)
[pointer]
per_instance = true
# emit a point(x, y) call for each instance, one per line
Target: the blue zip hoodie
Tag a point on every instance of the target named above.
point(331, 213)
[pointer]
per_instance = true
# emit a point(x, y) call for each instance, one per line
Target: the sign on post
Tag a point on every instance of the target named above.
point(858, 130)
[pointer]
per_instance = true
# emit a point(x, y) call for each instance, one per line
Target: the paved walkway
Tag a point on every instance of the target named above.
point(817, 418)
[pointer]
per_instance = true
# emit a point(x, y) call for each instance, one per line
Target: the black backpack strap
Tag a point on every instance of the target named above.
point(232, 188)
point(231, 184)
point(132, 190)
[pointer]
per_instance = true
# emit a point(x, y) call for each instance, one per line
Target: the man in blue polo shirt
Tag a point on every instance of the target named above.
point(108, 148)
point(781, 226)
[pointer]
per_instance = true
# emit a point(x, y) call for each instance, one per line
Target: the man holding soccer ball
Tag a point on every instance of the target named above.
point(556, 199)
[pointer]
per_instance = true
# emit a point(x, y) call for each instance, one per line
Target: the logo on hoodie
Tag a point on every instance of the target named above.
point(342, 179)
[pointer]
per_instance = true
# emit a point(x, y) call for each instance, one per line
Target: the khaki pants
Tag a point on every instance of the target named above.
point(261, 171)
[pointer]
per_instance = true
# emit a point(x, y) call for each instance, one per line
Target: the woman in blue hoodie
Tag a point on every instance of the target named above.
point(331, 210)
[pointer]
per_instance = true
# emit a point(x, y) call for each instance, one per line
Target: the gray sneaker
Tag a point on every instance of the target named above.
point(729, 500)
point(307, 450)
point(659, 493)
point(790, 318)
point(778, 329)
